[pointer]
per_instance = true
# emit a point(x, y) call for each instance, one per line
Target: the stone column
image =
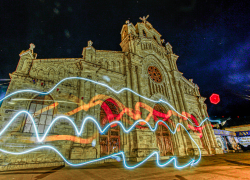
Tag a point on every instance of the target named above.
point(186, 108)
point(172, 97)
point(143, 89)
point(211, 131)
point(129, 102)
point(134, 85)
point(180, 109)
point(179, 136)
point(79, 114)
point(189, 146)
point(137, 71)
point(26, 66)
point(204, 131)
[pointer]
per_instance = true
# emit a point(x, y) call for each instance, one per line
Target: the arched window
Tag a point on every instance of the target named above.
point(163, 136)
point(106, 65)
point(110, 142)
point(118, 66)
point(144, 33)
point(113, 66)
point(42, 115)
point(155, 38)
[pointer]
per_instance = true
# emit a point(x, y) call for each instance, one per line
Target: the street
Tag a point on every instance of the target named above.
point(226, 166)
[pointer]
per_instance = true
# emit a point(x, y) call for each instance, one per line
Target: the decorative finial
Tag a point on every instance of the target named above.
point(90, 43)
point(32, 46)
point(127, 22)
point(163, 41)
point(144, 19)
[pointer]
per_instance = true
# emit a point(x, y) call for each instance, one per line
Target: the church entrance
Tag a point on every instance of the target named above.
point(163, 136)
point(110, 141)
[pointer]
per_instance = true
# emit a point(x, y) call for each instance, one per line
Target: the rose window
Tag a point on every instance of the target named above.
point(154, 73)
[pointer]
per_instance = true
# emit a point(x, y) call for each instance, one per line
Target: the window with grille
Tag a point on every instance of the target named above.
point(42, 119)
point(155, 74)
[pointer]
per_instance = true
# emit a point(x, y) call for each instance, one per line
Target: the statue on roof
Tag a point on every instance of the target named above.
point(144, 19)
point(32, 46)
point(90, 43)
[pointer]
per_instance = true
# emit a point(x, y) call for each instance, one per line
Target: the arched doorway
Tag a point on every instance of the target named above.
point(163, 136)
point(43, 117)
point(110, 142)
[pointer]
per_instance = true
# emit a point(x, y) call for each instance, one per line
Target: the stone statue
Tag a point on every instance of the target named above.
point(144, 19)
point(90, 43)
point(32, 46)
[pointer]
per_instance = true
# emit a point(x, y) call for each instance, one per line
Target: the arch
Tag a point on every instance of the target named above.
point(163, 135)
point(52, 73)
point(144, 33)
point(106, 65)
point(61, 71)
point(113, 66)
point(40, 73)
point(118, 66)
point(110, 142)
point(155, 38)
point(152, 60)
point(42, 118)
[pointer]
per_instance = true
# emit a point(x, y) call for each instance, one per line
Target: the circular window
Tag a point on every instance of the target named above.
point(154, 73)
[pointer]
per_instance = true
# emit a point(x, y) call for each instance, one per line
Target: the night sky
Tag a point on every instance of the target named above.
point(211, 38)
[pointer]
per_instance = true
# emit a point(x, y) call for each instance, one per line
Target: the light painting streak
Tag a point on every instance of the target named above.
point(52, 106)
point(78, 132)
point(173, 159)
point(102, 131)
point(104, 85)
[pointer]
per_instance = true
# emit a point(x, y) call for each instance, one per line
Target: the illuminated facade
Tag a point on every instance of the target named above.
point(146, 65)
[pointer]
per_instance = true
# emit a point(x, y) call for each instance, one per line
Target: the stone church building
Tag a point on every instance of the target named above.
point(146, 64)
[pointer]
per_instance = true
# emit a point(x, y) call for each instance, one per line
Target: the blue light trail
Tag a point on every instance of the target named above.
point(105, 85)
point(102, 131)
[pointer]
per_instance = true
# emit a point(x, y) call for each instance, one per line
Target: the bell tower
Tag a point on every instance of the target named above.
point(142, 36)
point(128, 35)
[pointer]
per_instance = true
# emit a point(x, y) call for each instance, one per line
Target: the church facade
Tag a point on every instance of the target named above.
point(146, 64)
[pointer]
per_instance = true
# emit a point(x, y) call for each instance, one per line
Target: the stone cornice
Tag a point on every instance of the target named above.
point(188, 82)
point(28, 52)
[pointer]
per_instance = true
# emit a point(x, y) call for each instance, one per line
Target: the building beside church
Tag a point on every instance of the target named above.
point(146, 64)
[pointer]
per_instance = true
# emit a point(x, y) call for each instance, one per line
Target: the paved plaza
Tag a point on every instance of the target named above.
point(226, 166)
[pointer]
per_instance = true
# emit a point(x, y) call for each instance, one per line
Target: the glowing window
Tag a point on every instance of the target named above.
point(42, 119)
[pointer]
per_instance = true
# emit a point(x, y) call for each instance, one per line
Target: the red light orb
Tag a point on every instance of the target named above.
point(214, 98)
